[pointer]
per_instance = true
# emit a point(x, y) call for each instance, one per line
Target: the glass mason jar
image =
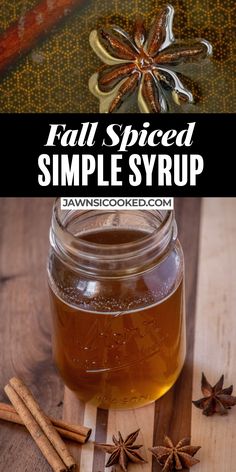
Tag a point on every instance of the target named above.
point(117, 297)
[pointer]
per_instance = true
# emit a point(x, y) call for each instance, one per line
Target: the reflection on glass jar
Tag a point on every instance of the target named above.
point(117, 296)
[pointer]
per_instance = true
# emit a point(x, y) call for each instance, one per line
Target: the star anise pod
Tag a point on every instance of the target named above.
point(123, 451)
point(216, 399)
point(177, 457)
point(144, 64)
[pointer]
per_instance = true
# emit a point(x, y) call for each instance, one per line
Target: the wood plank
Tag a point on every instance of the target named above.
point(73, 412)
point(100, 437)
point(26, 346)
point(129, 421)
point(165, 416)
point(25, 322)
point(173, 411)
point(23, 253)
point(215, 347)
point(86, 461)
point(76, 411)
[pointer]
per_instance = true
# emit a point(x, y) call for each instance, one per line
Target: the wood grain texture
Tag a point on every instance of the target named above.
point(130, 421)
point(25, 331)
point(173, 411)
point(73, 411)
point(100, 437)
point(24, 323)
point(215, 335)
point(87, 457)
point(26, 345)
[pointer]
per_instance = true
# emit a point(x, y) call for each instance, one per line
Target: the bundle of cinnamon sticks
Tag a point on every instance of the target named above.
point(45, 431)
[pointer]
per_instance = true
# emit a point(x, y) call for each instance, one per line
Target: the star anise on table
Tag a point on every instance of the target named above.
point(177, 457)
point(123, 451)
point(216, 399)
point(144, 64)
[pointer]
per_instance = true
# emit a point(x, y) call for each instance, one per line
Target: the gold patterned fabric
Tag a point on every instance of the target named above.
point(53, 76)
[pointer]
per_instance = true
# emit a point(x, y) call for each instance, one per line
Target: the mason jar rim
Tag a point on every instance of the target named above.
point(168, 217)
point(118, 258)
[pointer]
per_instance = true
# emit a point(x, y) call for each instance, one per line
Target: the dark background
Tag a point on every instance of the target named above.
point(24, 136)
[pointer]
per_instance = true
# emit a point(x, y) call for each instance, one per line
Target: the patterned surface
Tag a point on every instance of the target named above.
point(53, 77)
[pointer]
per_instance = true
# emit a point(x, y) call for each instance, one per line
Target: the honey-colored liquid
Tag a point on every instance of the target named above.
point(126, 358)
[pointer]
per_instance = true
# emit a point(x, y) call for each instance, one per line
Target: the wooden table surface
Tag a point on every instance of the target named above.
point(207, 230)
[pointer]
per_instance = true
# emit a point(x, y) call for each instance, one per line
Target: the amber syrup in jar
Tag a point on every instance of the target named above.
point(116, 287)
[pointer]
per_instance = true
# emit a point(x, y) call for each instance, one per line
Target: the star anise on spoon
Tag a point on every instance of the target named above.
point(216, 399)
point(123, 451)
point(177, 457)
point(144, 64)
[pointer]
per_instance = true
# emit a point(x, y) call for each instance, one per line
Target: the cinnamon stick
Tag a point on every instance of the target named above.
point(73, 432)
point(22, 35)
point(39, 437)
point(43, 421)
